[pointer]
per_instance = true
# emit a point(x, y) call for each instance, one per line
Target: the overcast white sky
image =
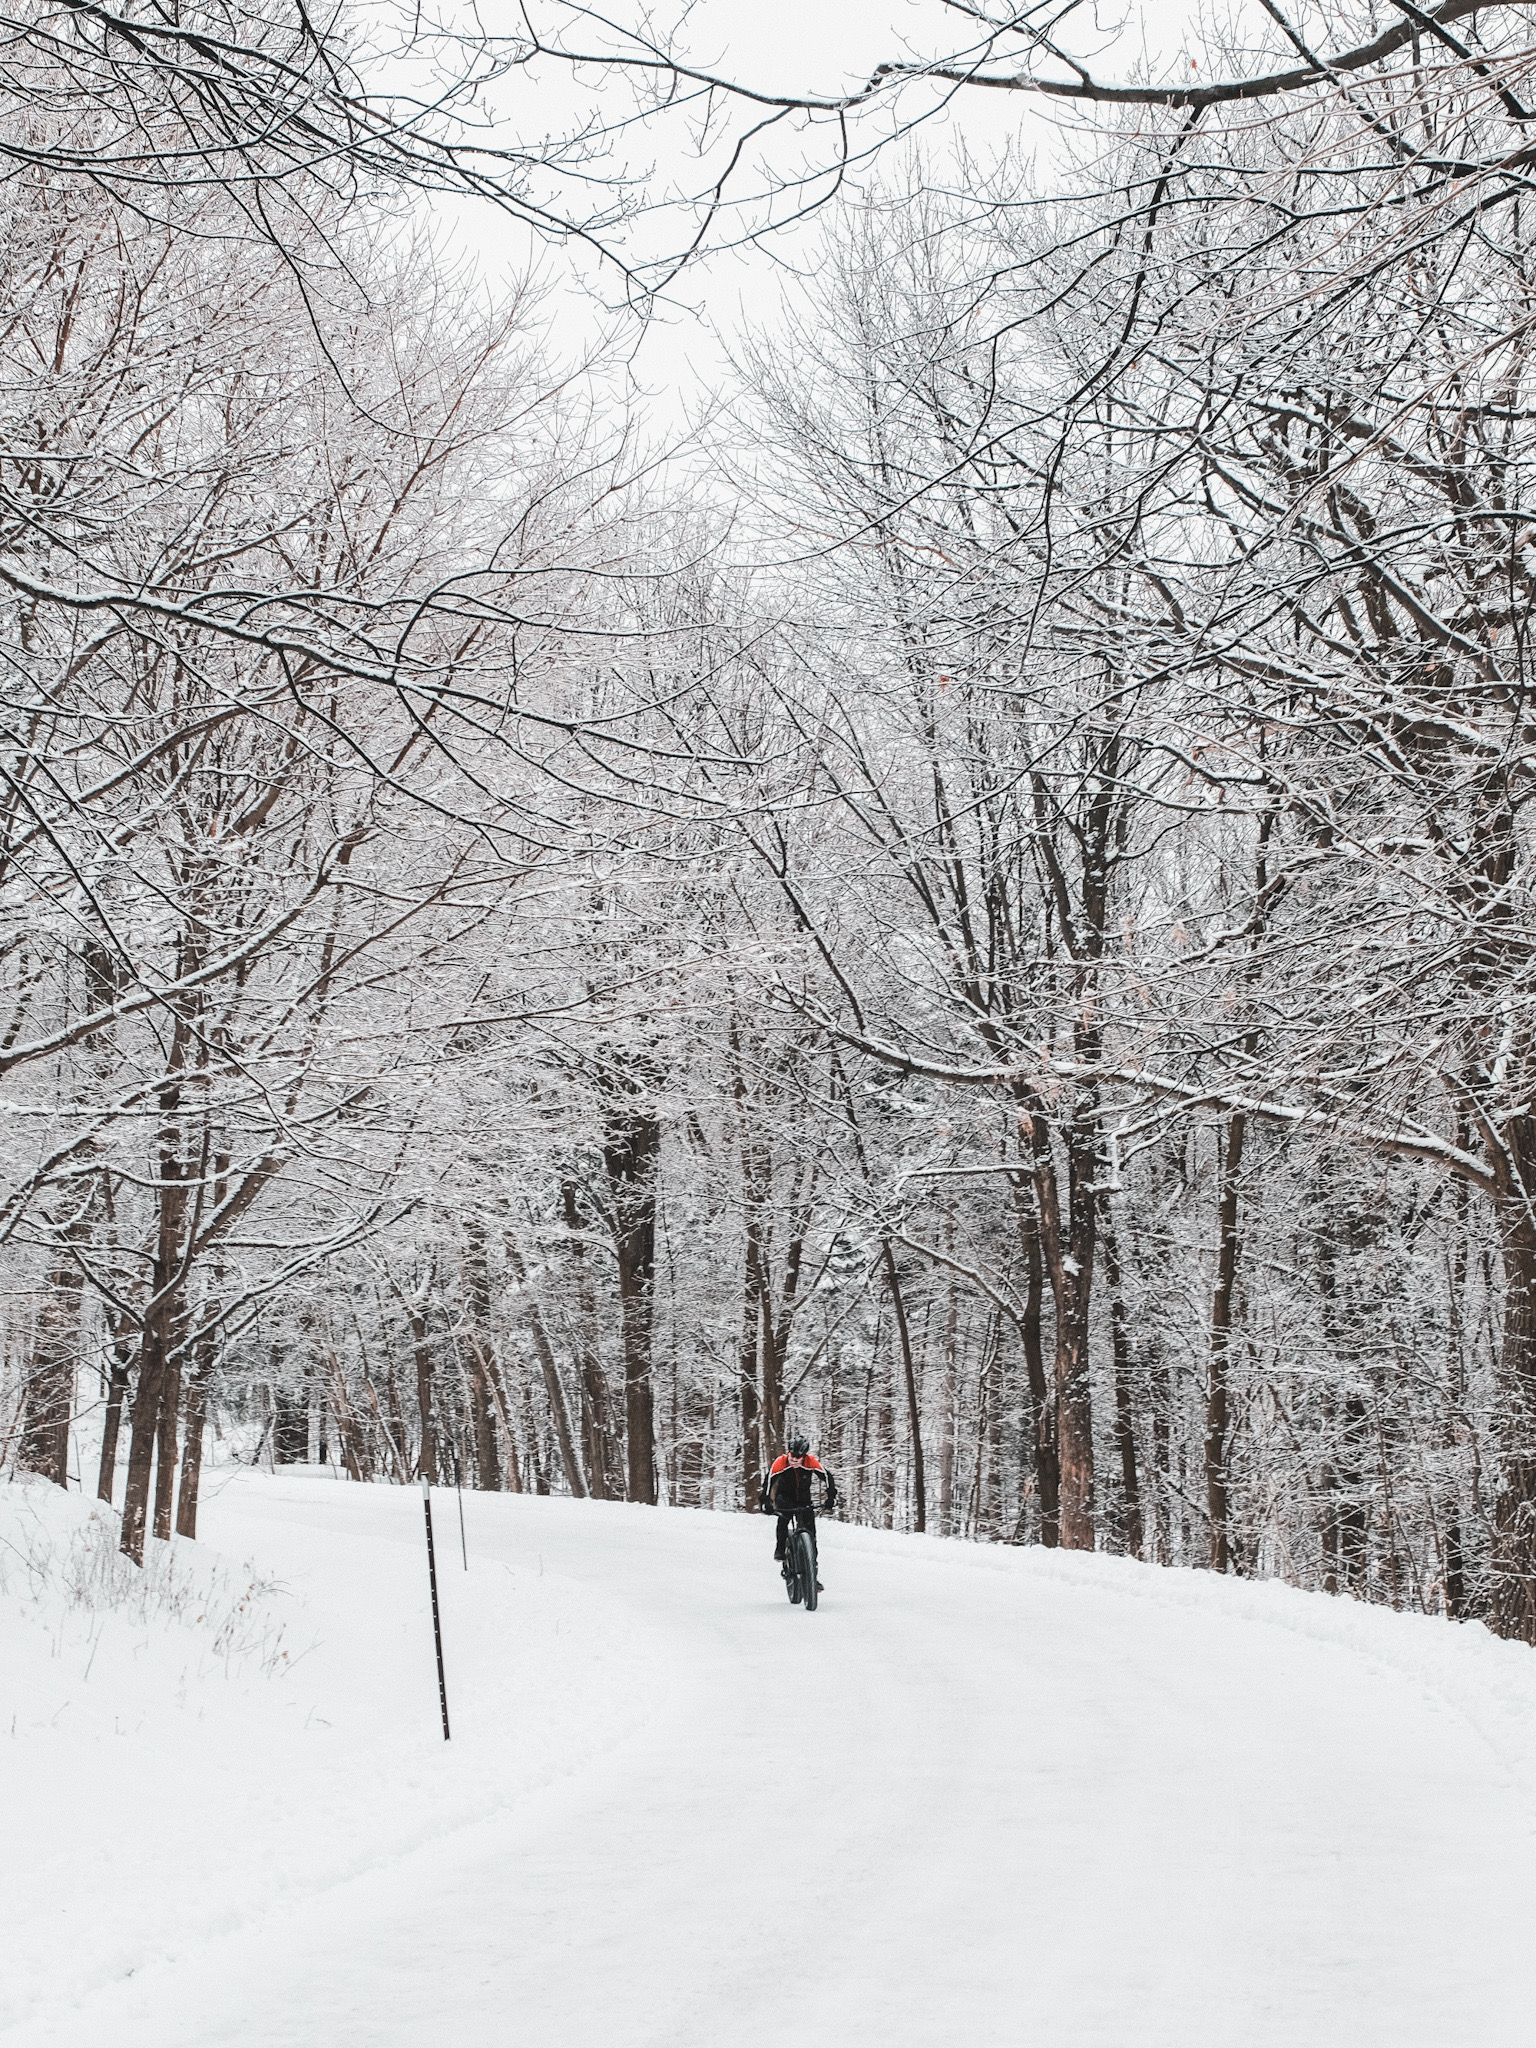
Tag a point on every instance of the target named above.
point(799, 46)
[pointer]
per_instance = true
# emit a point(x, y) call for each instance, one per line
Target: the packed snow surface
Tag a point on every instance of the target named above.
point(983, 1796)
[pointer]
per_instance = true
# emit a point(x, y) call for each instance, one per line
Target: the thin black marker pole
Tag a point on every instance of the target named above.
point(437, 1624)
point(458, 1480)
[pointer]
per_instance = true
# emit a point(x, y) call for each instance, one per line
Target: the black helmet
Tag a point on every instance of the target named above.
point(799, 1444)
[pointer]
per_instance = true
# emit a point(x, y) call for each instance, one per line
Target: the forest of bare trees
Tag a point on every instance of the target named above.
point(985, 908)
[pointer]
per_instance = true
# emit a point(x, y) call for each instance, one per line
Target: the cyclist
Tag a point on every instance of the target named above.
point(790, 1490)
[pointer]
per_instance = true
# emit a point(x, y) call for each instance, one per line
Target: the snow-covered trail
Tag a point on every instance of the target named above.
point(981, 1796)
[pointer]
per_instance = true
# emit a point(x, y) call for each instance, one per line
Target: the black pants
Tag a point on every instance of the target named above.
point(806, 1517)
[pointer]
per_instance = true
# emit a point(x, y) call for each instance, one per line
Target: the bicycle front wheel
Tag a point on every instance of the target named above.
point(805, 1550)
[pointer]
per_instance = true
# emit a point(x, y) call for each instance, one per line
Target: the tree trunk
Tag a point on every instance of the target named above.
point(155, 1345)
point(632, 1143)
point(50, 1389)
point(1068, 1250)
point(794, 1263)
point(1074, 1406)
point(760, 1387)
point(421, 1350)
point(290, 1427)
point(1160, 1400)
point(914, 1412)
point(772, 1376)
point(752, 1463)
point(1042, 1404)
point(1218, 1401)
point(1455, 1587)
point(117, 1390)
point(1512, 1568)
point(163, 1315)
point(355, 1451)
point(197, 1414)
point(863, 1491)
point(597, 1425)
point(1328, 1519)
point(951, 1384)
point(1353, 1521)
point(399, 1436)
point(477, 1295)
point(544, 1351)
point(531, 1438)
point(482, 1424)
point(144, 1429)
point(165, 1449)
point(885, 1438)
point(204, 1358)
point(1120, 1348)
point(504, 1410)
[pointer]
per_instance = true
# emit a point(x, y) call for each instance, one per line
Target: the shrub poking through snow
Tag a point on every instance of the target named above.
point(58, 1551)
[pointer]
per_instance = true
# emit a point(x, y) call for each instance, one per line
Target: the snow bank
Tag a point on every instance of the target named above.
point(60, 1563)
point(122, 1691)
point(1457, 1667)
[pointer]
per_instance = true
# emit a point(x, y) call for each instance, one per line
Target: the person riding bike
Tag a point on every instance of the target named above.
point(789, 1491)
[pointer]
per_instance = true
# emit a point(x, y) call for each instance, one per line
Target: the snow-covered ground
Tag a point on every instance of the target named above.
point(983, 1796)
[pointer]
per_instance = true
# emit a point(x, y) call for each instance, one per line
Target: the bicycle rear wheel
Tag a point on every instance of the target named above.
point(805, 1553)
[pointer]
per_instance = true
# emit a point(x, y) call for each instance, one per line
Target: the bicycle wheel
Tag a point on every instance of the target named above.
point(792, 1570)
point(805, 1551)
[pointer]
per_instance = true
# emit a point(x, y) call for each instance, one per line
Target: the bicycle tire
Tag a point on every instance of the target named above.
point(805, 1545)
point(792, 1572)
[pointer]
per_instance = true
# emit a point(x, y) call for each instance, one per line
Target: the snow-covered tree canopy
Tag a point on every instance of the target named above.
point(982, 909)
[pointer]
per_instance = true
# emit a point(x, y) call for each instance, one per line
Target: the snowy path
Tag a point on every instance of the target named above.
point(981, 1797)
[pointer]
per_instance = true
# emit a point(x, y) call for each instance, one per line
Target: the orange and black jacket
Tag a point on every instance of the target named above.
point(790, 1485)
